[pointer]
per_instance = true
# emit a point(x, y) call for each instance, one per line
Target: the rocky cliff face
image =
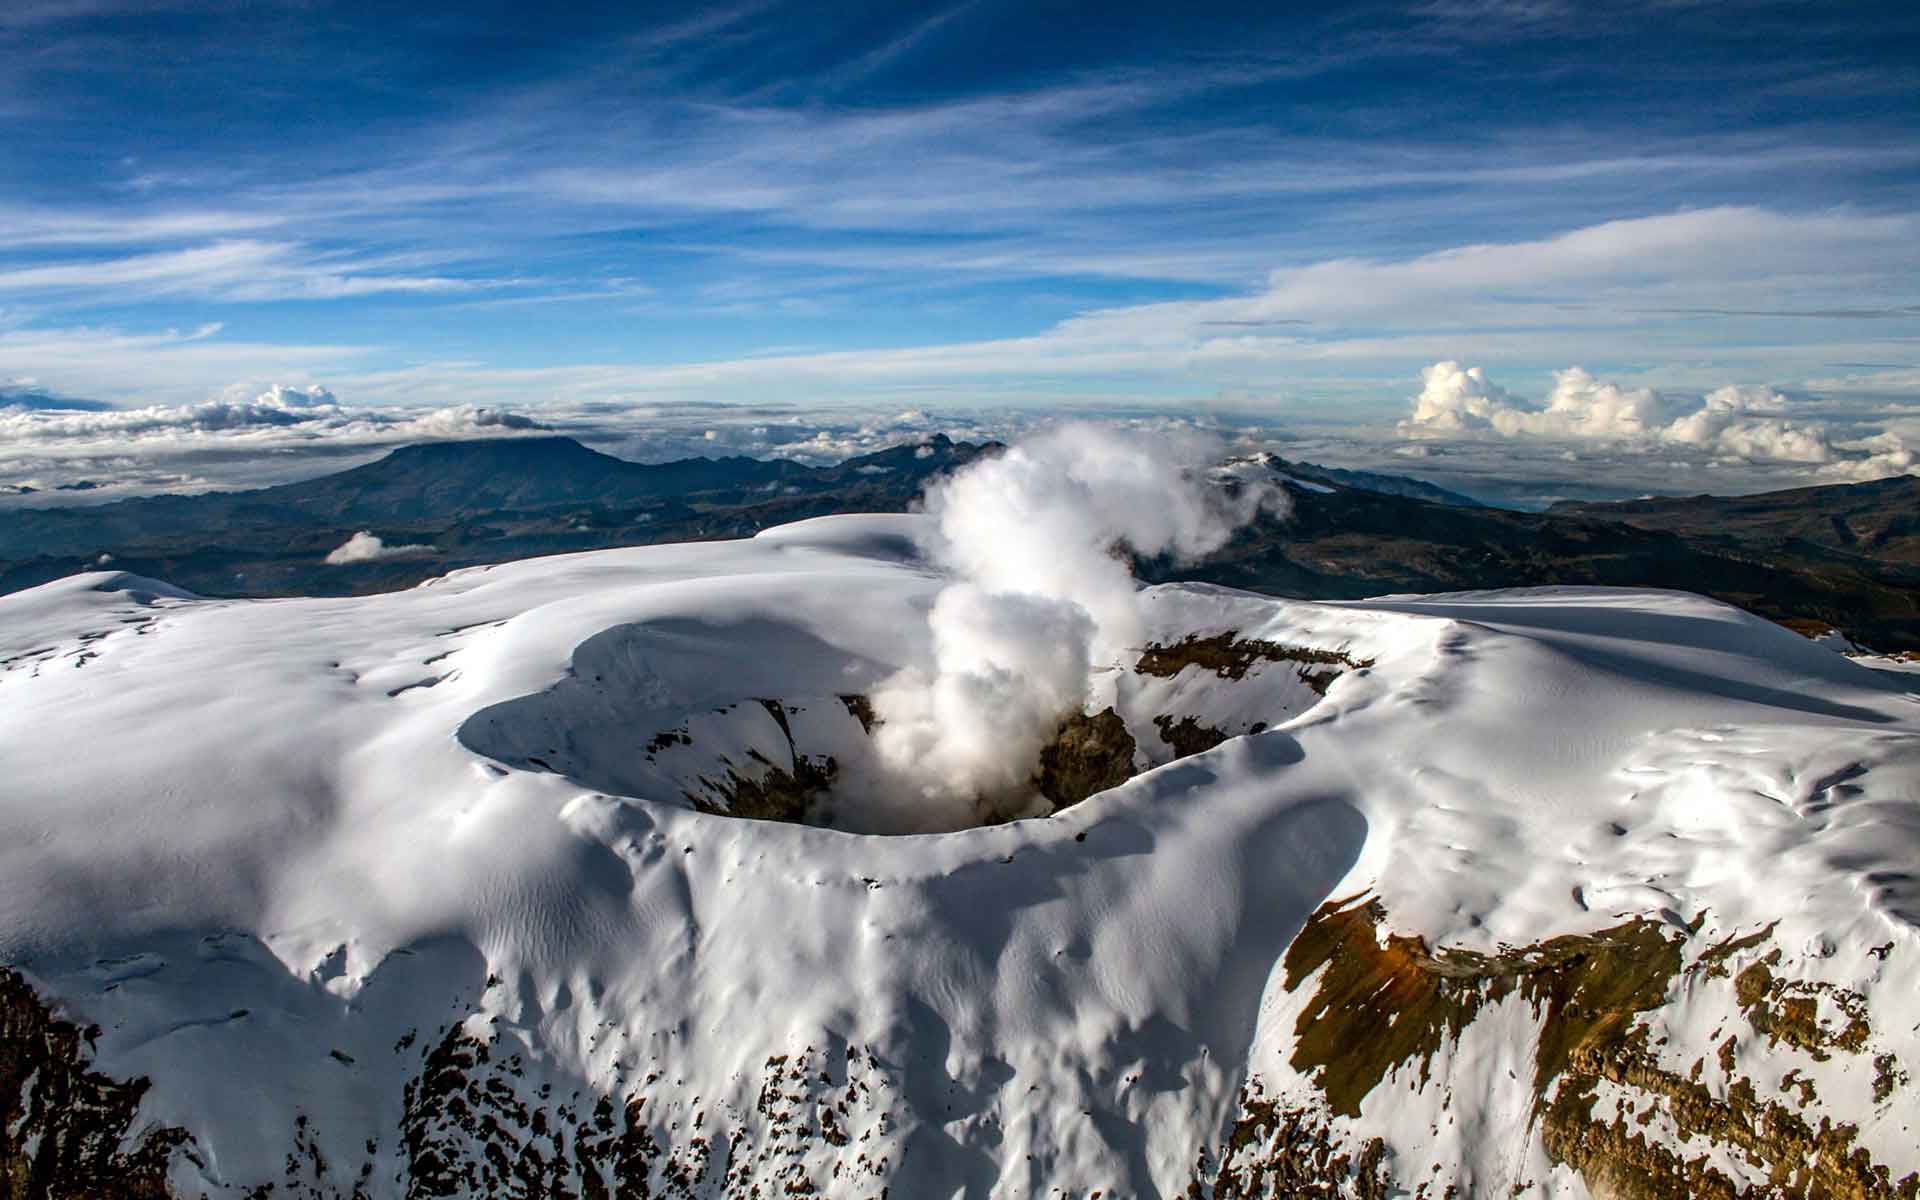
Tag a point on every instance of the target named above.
point(65, 1129)
point(1613, 1016)
point(1379, 1016)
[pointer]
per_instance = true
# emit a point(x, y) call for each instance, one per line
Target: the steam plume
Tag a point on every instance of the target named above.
point(1039, 599)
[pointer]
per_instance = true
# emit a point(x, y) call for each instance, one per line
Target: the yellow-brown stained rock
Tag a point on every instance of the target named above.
point(1381, 1003)
point(1788, 1010)
point(1385, 1002)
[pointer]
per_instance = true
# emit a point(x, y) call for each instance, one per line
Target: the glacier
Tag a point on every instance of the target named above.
point(1555, 892)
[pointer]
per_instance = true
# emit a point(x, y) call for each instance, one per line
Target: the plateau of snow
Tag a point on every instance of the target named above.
point(277, 849)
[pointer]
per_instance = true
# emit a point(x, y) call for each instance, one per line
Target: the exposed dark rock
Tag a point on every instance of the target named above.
point(65, 1128)
point(473, 1126)
point(667, 739)
point(1089, 754)
point(1283, 1152)
point(778, 794)
point(1187, 735)
point(860, 708)
point(1230, 657)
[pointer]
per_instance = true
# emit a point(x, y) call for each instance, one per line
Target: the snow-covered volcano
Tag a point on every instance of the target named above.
point(454, 892)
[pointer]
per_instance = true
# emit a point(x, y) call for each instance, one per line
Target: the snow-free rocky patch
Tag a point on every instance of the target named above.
point(449, 892)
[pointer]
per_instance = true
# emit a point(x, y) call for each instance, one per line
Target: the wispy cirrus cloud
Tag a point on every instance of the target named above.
point(23, 227)
point(1600, 294)
point(952, 206)
point(103, 362)
point(241, 269)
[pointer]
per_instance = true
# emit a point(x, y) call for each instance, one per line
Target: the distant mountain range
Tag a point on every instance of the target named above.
point(471, 502)
point(1847, 556)
point(1877, 521)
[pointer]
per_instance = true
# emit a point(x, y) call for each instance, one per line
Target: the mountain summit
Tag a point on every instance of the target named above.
point(564, 877)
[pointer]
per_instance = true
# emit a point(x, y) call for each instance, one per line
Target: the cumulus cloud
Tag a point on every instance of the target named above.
point(1582, 407)
point(464, 420)
point(365, 547)
point(1455, 399)
point(1722, 411)
point(1883, 454)
point(285, 396)
point(1039, 597)
point(1734, 423)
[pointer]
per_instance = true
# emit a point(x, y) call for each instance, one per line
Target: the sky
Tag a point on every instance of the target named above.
point(1515, 245)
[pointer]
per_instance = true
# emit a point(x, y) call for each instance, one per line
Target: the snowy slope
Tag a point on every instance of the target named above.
point(411, 894)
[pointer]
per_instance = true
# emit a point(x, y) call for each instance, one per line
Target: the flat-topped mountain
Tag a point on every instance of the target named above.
point(450, 479)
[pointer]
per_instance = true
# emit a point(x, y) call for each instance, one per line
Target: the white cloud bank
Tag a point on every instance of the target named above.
point(280, 421)
point(311, 411)
point(365, 547)
point(1734, 423)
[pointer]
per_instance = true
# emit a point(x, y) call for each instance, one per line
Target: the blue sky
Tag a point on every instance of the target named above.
point(1281, 210)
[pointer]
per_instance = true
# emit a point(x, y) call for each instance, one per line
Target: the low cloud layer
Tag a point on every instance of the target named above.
point(240, 438)
point(1741, 424)
point(313, 410)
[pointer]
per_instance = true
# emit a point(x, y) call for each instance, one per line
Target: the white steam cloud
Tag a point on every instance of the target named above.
point(365, 547)
point(1039, 599)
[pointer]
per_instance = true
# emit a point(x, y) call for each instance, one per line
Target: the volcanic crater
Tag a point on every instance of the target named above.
point(786, 735)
